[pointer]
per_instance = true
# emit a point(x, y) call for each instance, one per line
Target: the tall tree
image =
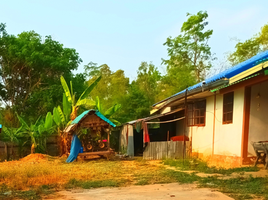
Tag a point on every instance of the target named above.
point(112, 88)
point(251, 47)
point(190, 49)
point(148, 80)
point(30, 68)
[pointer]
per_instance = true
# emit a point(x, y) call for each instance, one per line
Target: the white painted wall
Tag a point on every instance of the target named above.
point(228, 137)
point(202, 136)
point(258, 120)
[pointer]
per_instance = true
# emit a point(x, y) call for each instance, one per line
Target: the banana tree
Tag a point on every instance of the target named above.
point(37, 132)
point(109, 112)
point(83, 100)
point(61, 118)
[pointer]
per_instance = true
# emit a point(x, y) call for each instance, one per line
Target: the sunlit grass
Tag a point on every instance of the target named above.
point(24, 175)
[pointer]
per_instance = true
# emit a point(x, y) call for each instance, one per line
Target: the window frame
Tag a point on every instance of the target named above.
point(225, 113)
point(193, 109)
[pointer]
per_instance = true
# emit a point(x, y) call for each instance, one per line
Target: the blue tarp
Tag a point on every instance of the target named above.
point(237, 69)
point(77, 119)
point(75, 148)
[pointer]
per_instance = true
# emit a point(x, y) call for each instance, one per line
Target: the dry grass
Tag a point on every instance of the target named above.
point(31, 172)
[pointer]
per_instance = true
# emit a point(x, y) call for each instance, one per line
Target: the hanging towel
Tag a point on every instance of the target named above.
point(146, 138)
point(75, 148)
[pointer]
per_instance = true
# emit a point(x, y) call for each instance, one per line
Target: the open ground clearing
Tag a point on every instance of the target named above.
point(146, 192)
point(39, 176)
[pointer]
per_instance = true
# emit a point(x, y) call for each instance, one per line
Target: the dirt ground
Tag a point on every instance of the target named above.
point(146, 192)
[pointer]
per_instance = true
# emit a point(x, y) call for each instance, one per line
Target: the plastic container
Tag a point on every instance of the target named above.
point(81, 150)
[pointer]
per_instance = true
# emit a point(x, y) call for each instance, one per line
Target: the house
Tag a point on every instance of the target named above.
point(224, 113)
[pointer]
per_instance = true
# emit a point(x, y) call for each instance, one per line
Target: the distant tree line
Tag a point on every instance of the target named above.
point(31, 67)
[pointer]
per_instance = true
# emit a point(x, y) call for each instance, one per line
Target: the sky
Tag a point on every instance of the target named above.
point(122, 34)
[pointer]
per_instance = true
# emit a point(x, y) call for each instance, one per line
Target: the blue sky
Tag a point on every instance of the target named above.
point(122, 34)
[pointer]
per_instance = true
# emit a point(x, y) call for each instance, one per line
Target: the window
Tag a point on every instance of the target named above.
point(228, 104)
point(197, 113)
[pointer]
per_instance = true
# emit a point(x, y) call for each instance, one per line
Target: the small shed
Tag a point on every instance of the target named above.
point(93, 130)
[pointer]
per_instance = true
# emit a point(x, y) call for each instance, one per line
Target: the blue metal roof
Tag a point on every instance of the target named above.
point(80, 117)
point(243, 66)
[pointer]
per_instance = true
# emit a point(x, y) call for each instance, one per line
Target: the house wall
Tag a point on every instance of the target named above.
point(123, 139)
point(202, 135)
point(227, 138)
point(258, 120)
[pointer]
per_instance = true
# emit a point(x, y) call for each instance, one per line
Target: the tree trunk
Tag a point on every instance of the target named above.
point(6, 151)
point(32, 149)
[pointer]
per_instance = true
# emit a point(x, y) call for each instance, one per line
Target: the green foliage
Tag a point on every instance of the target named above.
point(190, 50)
point(112, 88)
point(37, 132)
point(109, 112)
point(83, 100)
point(30, 67)
point(251, 47)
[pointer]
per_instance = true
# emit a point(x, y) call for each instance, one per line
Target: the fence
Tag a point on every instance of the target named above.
point(168, 149)
point(13, 151)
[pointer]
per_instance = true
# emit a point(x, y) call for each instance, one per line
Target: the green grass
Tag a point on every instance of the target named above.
point(165, 176)
point(201, 166)
point(32, 194)
point(239, 188)
point(74, 183)
point(38, 179)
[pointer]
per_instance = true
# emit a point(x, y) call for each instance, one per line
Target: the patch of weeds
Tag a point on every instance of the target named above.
point(201, 166)
point(74, 183)
point(181, 177)
point(30, 194)
point(142, 181)
point(238, 188)
point(97, 184)
point(33, 194)
point(165, 176)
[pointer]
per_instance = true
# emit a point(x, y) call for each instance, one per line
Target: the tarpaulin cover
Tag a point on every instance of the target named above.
point(75, 148)
point(243, 66)
point(80, 117)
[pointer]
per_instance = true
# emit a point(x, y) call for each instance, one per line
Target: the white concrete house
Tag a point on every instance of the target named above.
point(225, 113)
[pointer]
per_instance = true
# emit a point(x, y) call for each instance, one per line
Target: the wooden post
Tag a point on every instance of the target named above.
point(213, 138)
point(6, 151)
point(108, 138)
point(185, 122)
point(168, 136)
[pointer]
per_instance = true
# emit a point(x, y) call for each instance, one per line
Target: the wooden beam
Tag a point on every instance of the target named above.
point(95, 153)
point(245, 126)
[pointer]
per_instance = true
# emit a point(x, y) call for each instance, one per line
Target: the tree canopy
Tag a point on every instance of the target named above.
point(251, 47)
point(190, 49)
point(30, 68)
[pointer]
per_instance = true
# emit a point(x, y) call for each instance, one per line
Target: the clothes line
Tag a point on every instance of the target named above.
point(166, 121)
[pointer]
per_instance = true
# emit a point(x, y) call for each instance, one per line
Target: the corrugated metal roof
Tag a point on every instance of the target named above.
point(241, 80)
point(96, 112)
point(259, 58)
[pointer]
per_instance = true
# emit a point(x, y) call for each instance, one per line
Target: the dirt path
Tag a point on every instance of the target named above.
point(156, 192)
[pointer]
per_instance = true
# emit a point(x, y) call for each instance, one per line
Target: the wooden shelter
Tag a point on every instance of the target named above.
point(93, 130)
